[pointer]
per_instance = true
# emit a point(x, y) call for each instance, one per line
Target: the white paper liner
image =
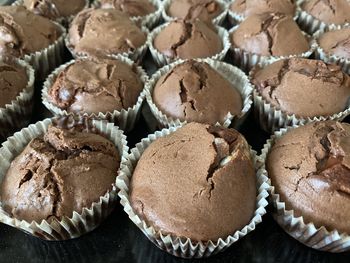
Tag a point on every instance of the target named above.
point(247, 60)
point(162, 60)
point(344, 63)
point(17, 113)
point(79, 223)
point(310, 24)
point(125, 119)
point(178, 246)
point(136, 55)
point(271, 118)
point(237, 78)
point(219, 20)
point(308, 234)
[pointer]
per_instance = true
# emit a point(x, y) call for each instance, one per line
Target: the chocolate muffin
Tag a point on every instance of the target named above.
point(96, 85)
point(184, 39)
point(304, 87)
point(55, 8)
point(309, 168)
point(201, 175)
point(336, 42)
point(24, 33)
point(329, 12)
point(270, 35)
point(247, 8)
point(38, 186)
point(195, 92)
point(205, 10)
point(13, 80)
point(102, 32)
point(130, 7)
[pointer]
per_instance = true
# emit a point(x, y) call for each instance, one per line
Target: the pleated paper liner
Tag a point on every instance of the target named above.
point(307, 233)
point(247, 60)
point(175, 245)
point(125, 118)
point(17, 113)
point(344, 63)
point(79, 223)
point(235, 76)
point(161, 60)
point(219, 20)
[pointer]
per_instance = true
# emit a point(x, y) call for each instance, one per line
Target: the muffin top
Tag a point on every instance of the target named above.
point(329, 12)
point(204, 10)
point(130, 7)
point(195, 92)
point(103, 32)
point(185, 39)
point(13, 80)
point(336, 42)
point(254, 7)
point(96, 85)
point(270, 35)
point(309, 167)
point(198, 182)
point(23, 32)
point(55, 8)
point(304, 87)
point(38, 186)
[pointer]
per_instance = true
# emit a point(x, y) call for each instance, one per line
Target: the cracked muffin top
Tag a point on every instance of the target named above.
point(58, 173)
point(310, 169)
point(130, 7)
point(96, 85)
point(336, 42)
point(328, 11)
point(198, 182)
point(55, 8)
point(23, 32)
point(184, 39)
point(13, 80)
point(253, 7)
point(270, 35)
point(205, 10)
point(195, 92)
point(102, 32)
point(304, 87)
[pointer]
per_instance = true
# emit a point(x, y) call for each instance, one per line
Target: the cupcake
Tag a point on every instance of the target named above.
point(41, 197)
point(16, 100)
point(204, 176)
point(205, 10)
point(182, 39)
point(241, 9)
point(267, 37)
point(103, 32)
point(35, 39)
point(108, 89)
point(208, 91)
point(318, 14)
point(297, 90)
point(308, 169)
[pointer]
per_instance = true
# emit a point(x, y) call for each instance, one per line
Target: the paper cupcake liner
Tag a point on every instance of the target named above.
point(136, 55)
point(315, 237)
point(17, 113)
point(236, 77)
point(329, 58)
point(247, 60)
point(310, 24)
point(178, 246)
point(79, 223)
point(162, 60)
point(125, 119)
point(219, 20)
